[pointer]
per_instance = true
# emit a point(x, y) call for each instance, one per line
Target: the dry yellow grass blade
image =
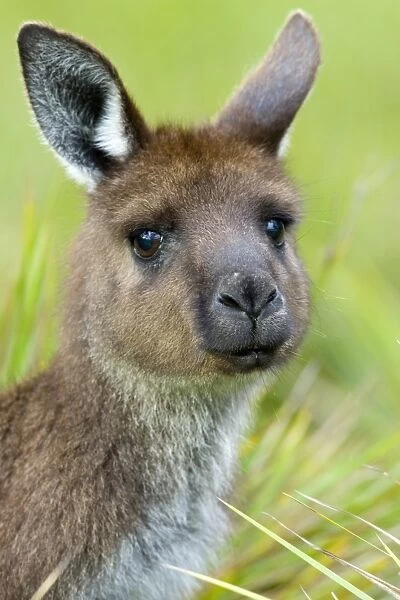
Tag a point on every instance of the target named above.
point(390, 552)
point(222, 584)
point(50, 580)
point(338, 525)
point(346, 512)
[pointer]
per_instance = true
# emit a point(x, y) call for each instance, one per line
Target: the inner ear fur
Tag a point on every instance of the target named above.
point(79, 102)
point(266, 103)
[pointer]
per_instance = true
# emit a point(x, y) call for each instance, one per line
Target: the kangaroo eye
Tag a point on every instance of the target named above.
point(275, 229)
point(145, 242)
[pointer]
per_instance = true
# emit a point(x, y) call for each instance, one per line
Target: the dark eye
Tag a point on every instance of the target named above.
point(275, 229)
point(145, 242)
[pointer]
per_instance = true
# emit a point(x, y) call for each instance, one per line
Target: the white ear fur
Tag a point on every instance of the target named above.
point(86, 177)
point(284, 144)
point(110, 135)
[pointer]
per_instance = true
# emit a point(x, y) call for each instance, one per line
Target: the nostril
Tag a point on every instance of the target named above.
point(272, 295)
point(228, 300)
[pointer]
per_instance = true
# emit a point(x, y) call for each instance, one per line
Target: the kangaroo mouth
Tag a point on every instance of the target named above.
point(250, 358)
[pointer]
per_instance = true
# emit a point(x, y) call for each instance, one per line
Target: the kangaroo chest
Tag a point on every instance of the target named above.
point(139, 570)
point(186, 528)
point(184, 532)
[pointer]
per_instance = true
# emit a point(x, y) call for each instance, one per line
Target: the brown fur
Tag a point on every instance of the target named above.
point(76, 459)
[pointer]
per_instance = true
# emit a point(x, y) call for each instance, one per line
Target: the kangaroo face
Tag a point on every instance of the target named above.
point(192, 260)
point(187, 263)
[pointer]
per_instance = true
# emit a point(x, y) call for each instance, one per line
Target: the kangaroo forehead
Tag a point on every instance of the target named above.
point(183, 170)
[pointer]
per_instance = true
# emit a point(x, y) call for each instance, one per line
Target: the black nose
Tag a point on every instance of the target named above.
point(248, 294)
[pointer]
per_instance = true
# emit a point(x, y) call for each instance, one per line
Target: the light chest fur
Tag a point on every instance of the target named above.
point(191, 464)
point(186, 533)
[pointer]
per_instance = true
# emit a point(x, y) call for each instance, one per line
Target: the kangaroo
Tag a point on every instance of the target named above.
point(185, 295)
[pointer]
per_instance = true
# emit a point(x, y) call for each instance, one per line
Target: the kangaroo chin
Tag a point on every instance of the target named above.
point(185, 294)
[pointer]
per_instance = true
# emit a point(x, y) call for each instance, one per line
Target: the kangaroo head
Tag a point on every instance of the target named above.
point(186, 263)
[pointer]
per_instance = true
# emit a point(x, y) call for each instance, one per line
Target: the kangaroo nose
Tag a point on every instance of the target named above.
point(248, 295)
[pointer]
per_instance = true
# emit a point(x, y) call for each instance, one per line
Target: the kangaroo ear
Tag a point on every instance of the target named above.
point(265, 105)
point(79, 102)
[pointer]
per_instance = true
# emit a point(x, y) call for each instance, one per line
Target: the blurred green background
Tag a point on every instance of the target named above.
point(338, 408)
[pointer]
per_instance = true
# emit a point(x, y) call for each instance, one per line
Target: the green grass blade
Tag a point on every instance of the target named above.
point(311, 561)
point(392, 590)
